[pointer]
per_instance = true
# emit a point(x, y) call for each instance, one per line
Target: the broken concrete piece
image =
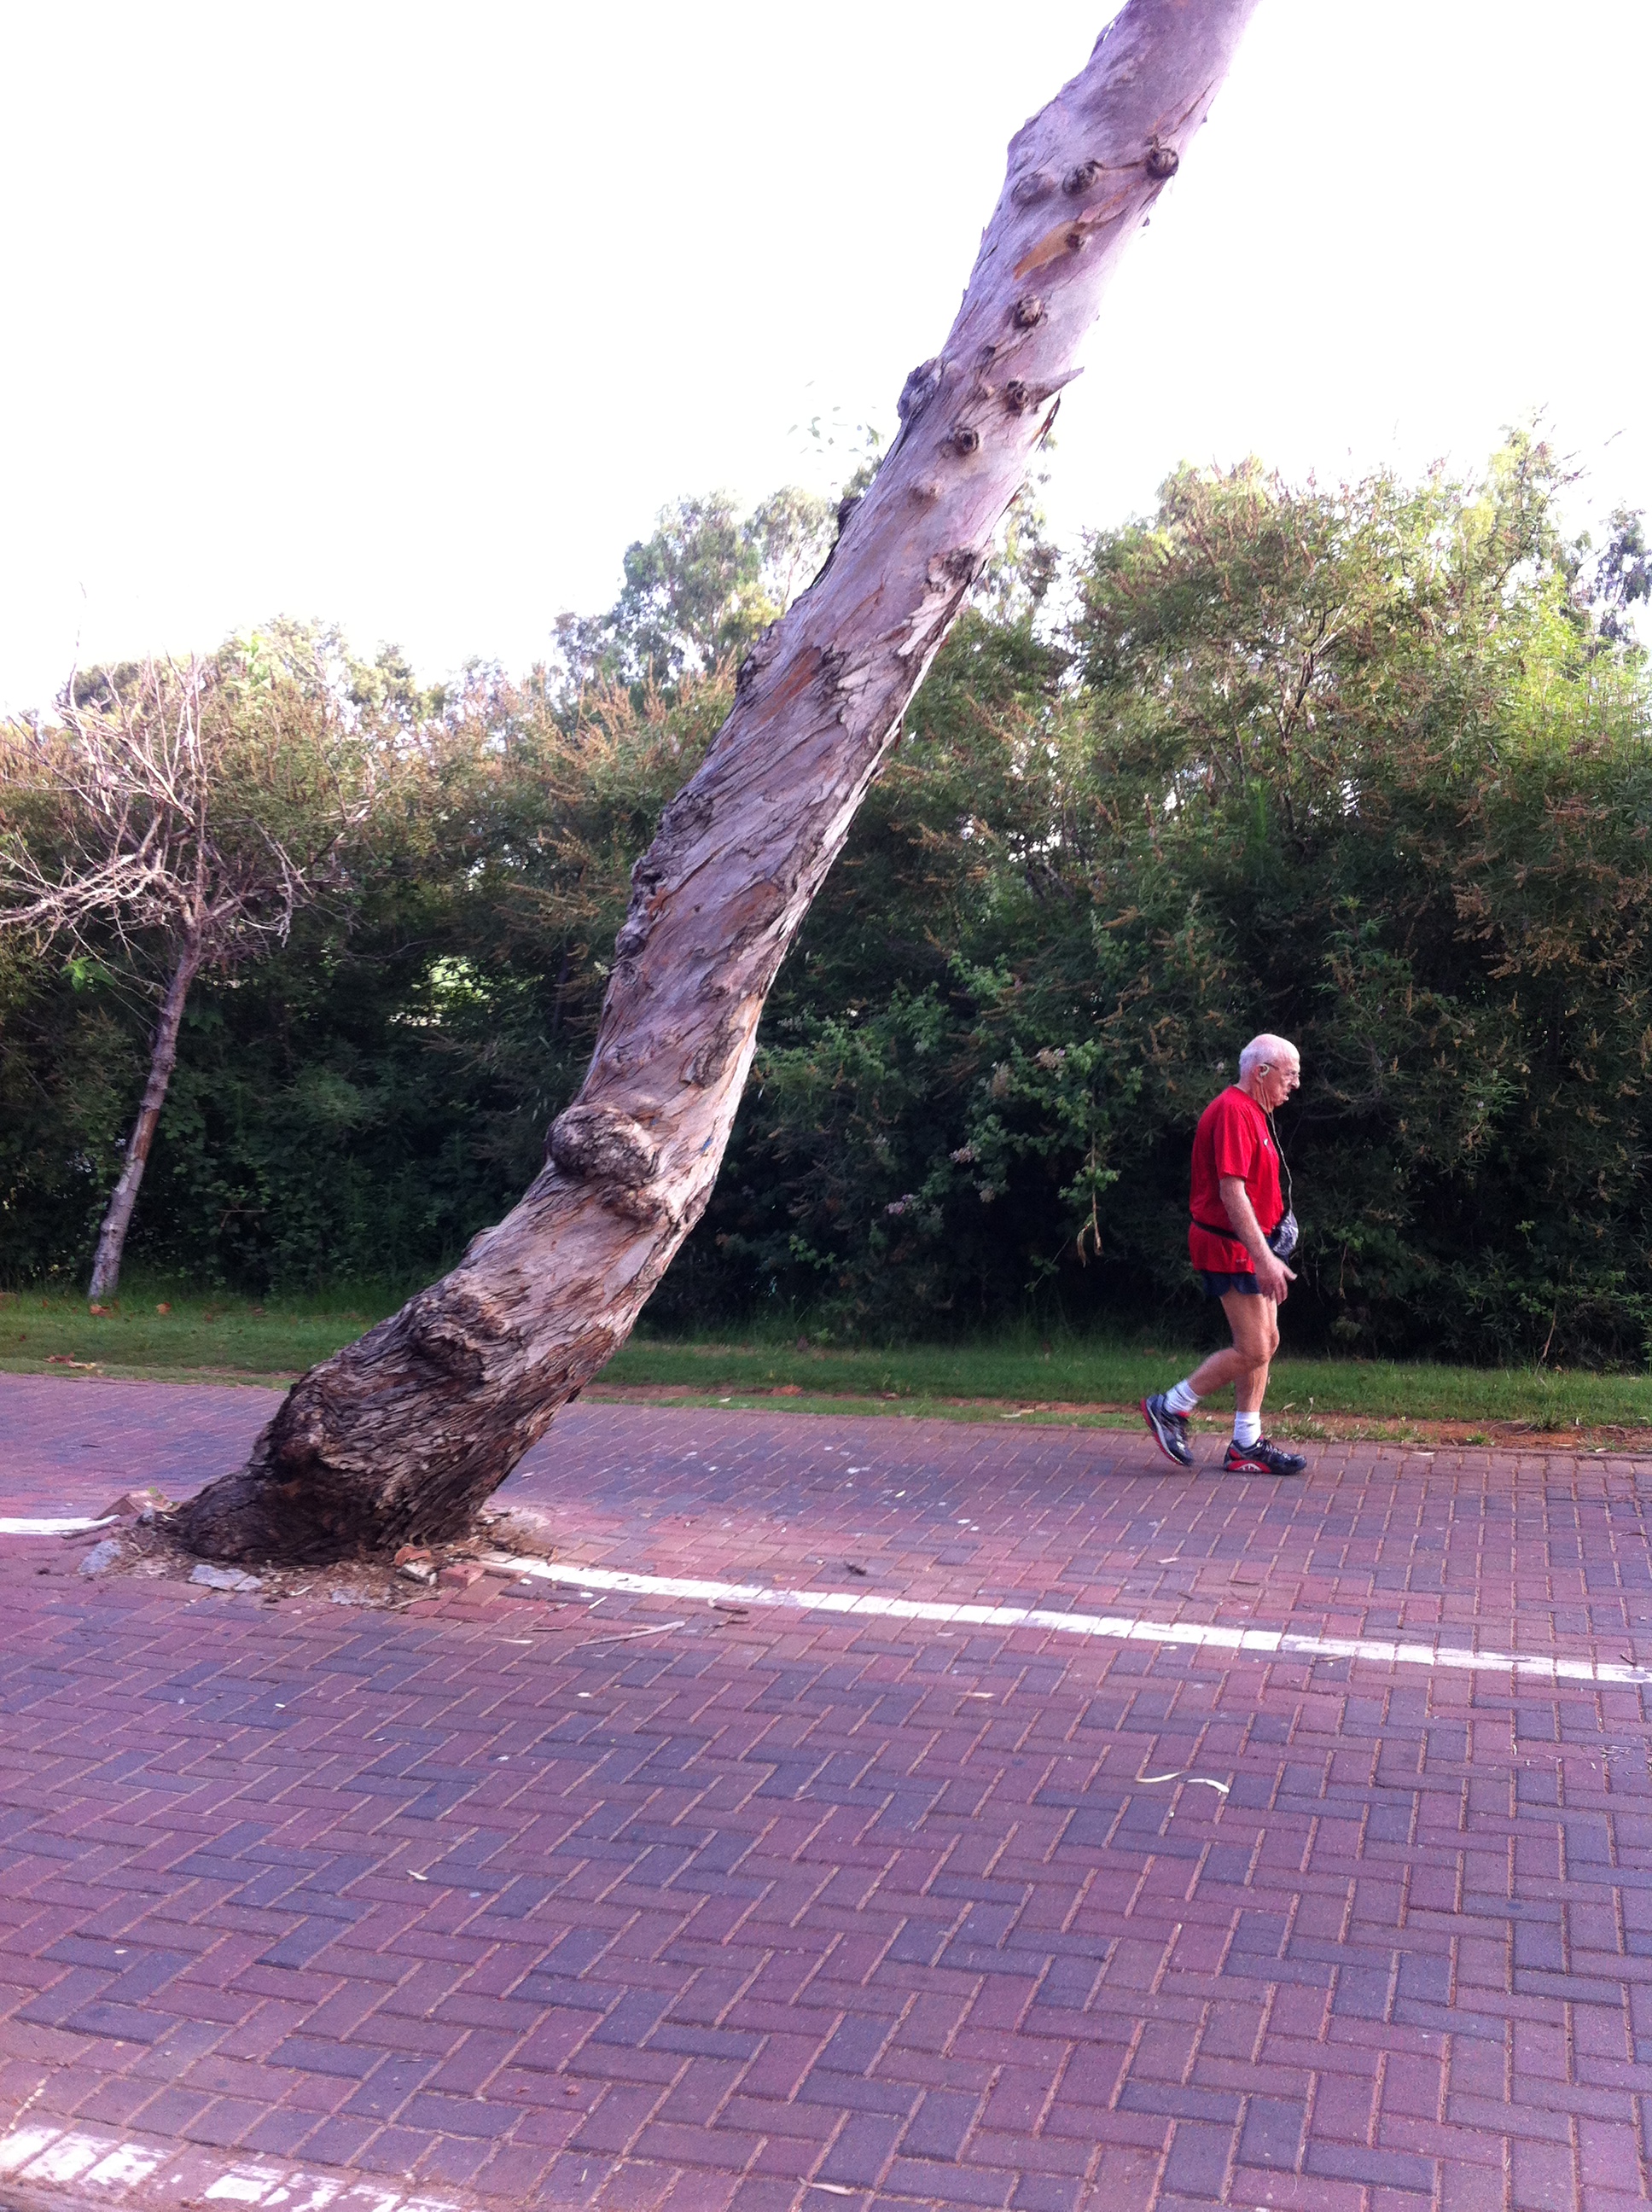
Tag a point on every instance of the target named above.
point(524, 1528)
point(223, 1578)
point(416, 1570)
point(100, 1558)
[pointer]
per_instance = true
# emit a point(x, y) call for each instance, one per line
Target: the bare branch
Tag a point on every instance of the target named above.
point(185, 815)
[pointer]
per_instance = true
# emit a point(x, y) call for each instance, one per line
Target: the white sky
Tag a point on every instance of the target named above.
point(412, 316)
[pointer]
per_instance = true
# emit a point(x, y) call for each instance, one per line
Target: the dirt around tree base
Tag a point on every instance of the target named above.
point(141, 1541)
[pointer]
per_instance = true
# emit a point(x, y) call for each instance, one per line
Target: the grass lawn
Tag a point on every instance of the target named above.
point(182, 1337)
point(1081, 1372)
point(169, 1335)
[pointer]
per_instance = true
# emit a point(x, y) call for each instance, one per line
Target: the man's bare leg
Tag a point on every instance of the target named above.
point(1254, 1322)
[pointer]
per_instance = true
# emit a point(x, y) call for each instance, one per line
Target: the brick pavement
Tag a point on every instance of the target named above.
point(494, 1900)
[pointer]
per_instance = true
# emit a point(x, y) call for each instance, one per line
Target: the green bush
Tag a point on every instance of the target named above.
point(1369, 767)
point(1365, 768)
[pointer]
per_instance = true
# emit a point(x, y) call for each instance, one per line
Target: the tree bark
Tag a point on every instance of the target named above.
point(405, 1433)
point(112, 1238)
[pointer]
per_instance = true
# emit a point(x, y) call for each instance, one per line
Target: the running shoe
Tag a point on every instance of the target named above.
point(1261, 1458)
point(1169, 1429)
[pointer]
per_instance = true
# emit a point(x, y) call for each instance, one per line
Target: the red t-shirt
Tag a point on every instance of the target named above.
point(1232, 1139)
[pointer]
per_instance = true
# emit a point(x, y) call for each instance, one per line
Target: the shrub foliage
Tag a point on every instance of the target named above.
point(1368, 766)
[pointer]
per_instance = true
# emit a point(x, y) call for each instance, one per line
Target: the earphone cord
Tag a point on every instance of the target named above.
point(1283, 1163)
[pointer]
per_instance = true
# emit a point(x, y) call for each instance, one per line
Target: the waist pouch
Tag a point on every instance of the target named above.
point(1281, 1238)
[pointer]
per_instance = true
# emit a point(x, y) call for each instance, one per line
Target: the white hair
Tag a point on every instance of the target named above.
point(1265, 1051)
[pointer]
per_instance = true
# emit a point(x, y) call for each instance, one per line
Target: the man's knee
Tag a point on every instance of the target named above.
point(1255, 1329)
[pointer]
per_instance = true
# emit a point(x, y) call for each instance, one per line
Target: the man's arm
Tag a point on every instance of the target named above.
point(1273, 1278)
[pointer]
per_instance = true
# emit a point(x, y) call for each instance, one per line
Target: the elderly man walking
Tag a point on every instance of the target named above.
point(1240, 1236)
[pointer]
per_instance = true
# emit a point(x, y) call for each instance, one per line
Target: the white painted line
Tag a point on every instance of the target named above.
point(22, 2145)
point(1260, 1642)
point(119, 2171)
point(248, 2184)
point(26, 1526)
point(124, 2167)
point(66, 2159)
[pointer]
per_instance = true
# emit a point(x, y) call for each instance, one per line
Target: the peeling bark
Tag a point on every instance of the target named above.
point(404, 1434)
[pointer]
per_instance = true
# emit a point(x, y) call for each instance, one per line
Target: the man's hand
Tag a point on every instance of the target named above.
point(1273, 1278)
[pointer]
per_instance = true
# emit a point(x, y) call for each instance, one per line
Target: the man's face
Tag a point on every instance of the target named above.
point(1277, 1080)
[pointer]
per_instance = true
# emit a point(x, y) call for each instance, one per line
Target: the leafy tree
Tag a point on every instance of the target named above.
point(1345, 764)
point(1623, 576)
point(1366, 763)
point(699, 589)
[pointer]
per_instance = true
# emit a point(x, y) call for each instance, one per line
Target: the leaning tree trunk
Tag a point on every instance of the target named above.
point(405, 1433)
point(112, 1238)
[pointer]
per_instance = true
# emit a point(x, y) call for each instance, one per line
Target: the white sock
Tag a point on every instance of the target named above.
point(1246, 1428)
point(1181, 1400)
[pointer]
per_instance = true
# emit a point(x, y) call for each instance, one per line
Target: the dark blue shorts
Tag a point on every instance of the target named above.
point(1218, 1286)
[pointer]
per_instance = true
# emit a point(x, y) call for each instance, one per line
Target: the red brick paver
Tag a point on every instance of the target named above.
point(499, 1900)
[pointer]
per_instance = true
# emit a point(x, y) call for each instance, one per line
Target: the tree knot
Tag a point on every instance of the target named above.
point(949, 570)
point(599, 1144)
point(918, 390)
point(633, 930)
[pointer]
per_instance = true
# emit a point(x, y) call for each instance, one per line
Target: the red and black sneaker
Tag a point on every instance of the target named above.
point(1261, 1458)
point(1169, 1429)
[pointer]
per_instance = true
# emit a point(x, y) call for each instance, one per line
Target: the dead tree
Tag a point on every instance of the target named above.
point(185, 812)
point(405, 1433)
